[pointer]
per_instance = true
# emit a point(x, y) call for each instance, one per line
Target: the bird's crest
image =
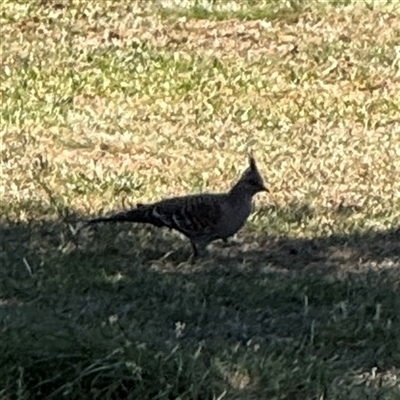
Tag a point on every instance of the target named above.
point(251, 179)
point(252, 161)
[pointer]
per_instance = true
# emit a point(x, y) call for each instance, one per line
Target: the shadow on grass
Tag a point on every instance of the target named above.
point(99, 314)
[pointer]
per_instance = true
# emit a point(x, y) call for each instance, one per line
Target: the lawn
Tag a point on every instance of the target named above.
point(111, 103)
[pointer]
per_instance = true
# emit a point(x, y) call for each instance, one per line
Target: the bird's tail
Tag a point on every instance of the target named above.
point(141, 214)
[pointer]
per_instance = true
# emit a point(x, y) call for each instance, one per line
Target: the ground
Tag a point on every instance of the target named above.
point(109, 104)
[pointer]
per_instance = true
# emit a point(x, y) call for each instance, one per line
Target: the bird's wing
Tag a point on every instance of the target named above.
point(197, 215)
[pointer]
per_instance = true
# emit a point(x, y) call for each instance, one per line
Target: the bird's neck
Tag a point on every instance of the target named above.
point(240, 192)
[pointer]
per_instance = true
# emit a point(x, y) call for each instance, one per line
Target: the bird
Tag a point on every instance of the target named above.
point(204, 217)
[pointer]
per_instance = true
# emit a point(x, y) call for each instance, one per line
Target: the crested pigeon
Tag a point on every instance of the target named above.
point(203, 217)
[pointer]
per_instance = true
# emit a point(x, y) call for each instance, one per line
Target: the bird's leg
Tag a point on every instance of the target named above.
point(195, 250)
point(199, 249)
point(195, 253)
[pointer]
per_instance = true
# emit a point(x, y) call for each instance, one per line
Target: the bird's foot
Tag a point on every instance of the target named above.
point(198, 253)
point(192, 259)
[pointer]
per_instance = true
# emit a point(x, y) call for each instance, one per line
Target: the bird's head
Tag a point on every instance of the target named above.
point(251, 180)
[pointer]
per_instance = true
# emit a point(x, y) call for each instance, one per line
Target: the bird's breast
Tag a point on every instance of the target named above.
point(235, 217)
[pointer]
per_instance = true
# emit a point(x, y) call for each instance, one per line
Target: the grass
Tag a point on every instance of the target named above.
point(107, 104)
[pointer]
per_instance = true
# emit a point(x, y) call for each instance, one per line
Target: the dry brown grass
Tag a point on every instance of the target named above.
point(126, 97)
point(111, 103)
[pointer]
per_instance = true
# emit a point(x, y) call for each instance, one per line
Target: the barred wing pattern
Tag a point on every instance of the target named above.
point(194, 216)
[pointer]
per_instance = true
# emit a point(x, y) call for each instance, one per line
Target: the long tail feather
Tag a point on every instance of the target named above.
point(141, 214)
